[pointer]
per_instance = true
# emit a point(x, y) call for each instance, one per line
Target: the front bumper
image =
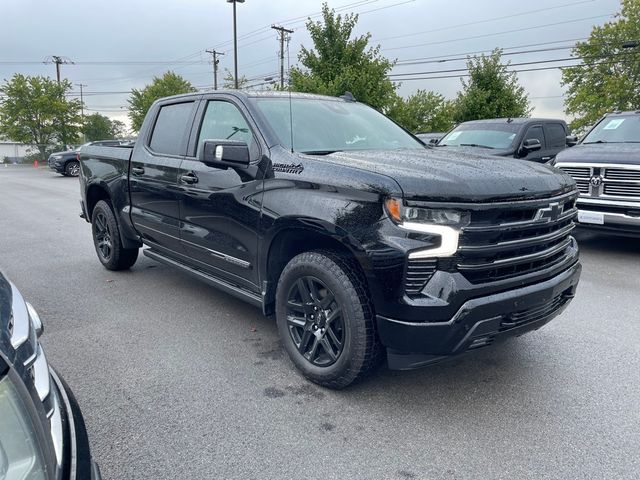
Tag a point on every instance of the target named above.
point(56, 165)
point(618, 217)
point(478, 323)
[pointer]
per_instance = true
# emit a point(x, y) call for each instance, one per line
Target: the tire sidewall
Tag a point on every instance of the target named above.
point(103, 207)
point(67, 168)
point(353, 316)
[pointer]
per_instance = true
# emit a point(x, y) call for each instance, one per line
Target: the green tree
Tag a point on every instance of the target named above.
point(228, 81)
point(491, 91)
point(141, 100)
point(339, 63)
point(36, 110)
point(423, 112)
point(100, 127)
point(610, 77)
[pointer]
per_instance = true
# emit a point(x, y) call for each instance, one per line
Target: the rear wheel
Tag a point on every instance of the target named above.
point(325, 319)
point(106, 239)
point(72, 169)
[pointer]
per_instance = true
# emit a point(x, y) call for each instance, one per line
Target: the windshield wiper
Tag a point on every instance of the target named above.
point(320, 152)
point(475, 145)
point(597, 141)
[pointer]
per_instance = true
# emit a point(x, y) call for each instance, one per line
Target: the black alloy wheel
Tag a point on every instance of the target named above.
point(325, 318)
point(103, 235)
point(106, 239)
point(315, 321)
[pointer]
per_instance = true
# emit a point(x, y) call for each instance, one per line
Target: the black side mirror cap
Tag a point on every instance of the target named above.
point(572, 140)
point(224, 153)
point(433, 141)
point(531, 145)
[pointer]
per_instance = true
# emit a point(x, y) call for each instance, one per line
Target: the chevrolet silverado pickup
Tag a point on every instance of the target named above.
point(321, 211)
point(606, 168)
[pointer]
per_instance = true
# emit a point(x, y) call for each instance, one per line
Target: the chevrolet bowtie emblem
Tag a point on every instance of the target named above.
point(549, 214)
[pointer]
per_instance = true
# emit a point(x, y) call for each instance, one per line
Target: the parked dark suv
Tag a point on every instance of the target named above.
point(42, 433)
point(535, 139)
point(67, 164)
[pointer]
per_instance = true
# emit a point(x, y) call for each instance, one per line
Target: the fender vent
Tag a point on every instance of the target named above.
point(417, 274)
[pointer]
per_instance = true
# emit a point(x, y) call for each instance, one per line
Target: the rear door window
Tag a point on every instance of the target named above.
point(169, 136)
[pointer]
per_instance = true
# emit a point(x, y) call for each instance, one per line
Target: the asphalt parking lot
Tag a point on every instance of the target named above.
point(178, 380)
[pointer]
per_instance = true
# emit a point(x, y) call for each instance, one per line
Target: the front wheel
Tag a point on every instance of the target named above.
point(325, 319)
point(106, 239)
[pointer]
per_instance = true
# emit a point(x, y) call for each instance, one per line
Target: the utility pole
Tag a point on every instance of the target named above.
point(215, 54)
point(82, 85)
point(235, 43)
point(283, 36)
point(58, 60)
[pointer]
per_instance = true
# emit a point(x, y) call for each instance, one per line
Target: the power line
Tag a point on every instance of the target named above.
point(494, 19)
point(498, 33)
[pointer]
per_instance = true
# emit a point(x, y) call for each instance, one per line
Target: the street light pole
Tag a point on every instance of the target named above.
point(235, 43)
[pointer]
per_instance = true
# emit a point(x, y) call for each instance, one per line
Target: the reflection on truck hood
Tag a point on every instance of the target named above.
point(601, 153)
point(448, 175)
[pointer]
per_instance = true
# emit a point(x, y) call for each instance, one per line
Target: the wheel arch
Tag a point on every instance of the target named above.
point(293, 238)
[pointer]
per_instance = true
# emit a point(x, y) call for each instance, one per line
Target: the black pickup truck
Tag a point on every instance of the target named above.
point(533, 139)
point(320, 210)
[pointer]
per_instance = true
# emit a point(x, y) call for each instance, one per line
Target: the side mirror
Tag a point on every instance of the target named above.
point(572, 140)
point(530, 145)
point(224, 153)
point(433, 141)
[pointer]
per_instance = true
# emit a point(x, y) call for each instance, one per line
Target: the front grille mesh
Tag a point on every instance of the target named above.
point(490, 252)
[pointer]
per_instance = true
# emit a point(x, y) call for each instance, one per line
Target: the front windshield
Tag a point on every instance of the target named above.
point(618, 129)
point(488, 135)
point(324, 126)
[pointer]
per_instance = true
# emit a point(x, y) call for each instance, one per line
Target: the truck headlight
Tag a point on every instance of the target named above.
point(20, 454)
point(444, 223)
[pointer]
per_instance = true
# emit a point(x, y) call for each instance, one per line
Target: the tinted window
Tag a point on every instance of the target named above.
point(535, 133)
point(169, 132)
point(556, 135)
point(223, 121)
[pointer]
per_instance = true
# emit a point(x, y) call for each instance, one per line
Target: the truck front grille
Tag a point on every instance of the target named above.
point(604, 181)
point(537, 240)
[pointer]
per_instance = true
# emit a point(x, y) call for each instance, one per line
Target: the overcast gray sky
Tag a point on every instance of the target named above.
point(121, 35)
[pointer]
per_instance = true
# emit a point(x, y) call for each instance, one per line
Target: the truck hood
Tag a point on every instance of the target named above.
point(495, 152)
point(455, 176)
point(601, 153)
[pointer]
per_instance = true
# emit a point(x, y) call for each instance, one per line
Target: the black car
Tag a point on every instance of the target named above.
point(534, 139)
point(362, 241)
point(606, 167)
point(67, 164)
point(42, 432)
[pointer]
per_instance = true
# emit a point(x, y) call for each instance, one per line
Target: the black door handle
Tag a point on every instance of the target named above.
point(137, 170)
point(189, 178)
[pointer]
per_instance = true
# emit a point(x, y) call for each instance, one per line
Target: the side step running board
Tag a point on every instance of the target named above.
point(226, 287)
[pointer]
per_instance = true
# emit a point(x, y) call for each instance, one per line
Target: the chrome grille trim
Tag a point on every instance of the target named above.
point(620, 181)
